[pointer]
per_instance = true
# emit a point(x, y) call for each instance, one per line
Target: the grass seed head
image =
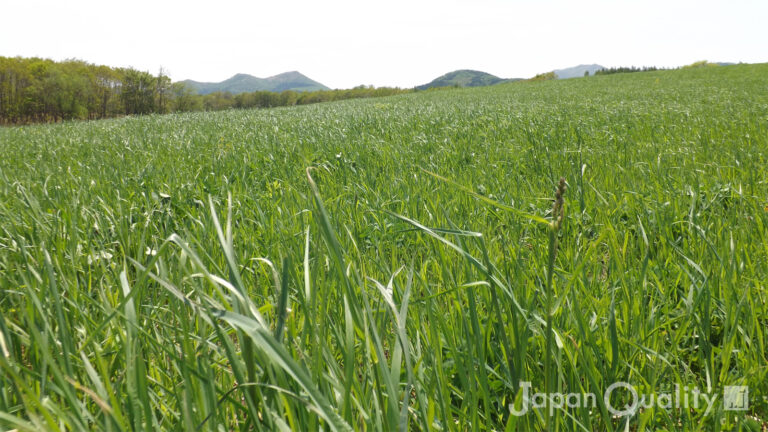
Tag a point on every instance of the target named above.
point(558, 209)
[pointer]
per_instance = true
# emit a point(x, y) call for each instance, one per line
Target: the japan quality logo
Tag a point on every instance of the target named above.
point(736, 398)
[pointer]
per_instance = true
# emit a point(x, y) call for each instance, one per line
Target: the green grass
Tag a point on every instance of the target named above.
point(389, 264)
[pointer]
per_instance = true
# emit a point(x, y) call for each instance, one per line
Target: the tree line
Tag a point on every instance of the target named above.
point(625, 69)
point(630, 69)
point(35, 90)
point(267, 99)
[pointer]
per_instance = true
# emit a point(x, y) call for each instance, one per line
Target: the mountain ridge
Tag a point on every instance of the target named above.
point(577, 71)
point(245, 83)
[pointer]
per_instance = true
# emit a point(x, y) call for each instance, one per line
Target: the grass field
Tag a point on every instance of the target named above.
point(394, 263)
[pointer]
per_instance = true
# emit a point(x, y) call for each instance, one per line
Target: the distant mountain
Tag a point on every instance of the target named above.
point(243, 83)
point(577, 71)
point(464, 78)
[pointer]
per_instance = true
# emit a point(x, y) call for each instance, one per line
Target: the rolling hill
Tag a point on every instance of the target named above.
point(464, 78)
point(243, 83)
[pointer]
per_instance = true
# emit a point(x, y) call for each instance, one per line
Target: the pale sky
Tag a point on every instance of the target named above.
point(344, 43)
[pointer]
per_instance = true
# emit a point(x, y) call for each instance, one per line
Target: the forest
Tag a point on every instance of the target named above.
point(35, 90)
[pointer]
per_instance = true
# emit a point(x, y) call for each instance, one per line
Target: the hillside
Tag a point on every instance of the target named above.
point(244, 83)
point(464, 78)
point(577, 71)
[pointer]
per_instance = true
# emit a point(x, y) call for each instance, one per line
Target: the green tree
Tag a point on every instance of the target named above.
point(183, 98)
point(138, 92)
point(162, 92)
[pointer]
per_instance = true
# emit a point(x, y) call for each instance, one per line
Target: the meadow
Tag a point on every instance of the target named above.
point(393, 263)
